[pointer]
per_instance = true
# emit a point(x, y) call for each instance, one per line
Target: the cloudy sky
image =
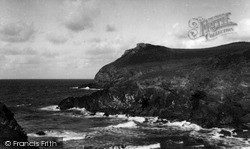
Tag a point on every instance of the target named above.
point(75, 38)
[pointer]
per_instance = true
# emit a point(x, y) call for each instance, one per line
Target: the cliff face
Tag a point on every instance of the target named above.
point(147, 60)
point(208, 86)
point(9, 128)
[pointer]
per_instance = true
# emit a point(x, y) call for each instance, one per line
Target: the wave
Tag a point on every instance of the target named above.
point(130, 124)
point(97, 114)
point(50, 108)
point(183, 125)
point(87, 114)
point(79, 113)
point(65, 135)
point(131, 121)
point(123, 116)
point(74, 87)
point(82, 110)
point(88, 88)
point(214, 138)
point(137, 119)
point(22, 105)
point(151, 146)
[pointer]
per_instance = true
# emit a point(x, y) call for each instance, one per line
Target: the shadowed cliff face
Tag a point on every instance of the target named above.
point(10, 130)
point(208, 86)
point(147, 60)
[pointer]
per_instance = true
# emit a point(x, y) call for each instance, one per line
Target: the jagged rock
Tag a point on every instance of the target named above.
point(226, 133)
point(10, 130)
point(41, 133)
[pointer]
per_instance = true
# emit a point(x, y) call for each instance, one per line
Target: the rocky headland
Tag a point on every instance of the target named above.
point(208, 86)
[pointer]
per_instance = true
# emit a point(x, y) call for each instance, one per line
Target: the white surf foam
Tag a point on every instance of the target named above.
point(73, 87)
point(151, 146)
point(137, 119)
point(66, 135)
point(130, 124)
point(132, 118)
point(151, 120)
point(122, 116)
point(82, 110)
point(97, 114)
point(22, 105)
point(51, 108)
point(88, 88)
point(214, 137)
point(69, 115)
point(184, 125)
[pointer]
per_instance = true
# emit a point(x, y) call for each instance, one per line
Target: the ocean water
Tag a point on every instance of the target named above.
point(34, 103)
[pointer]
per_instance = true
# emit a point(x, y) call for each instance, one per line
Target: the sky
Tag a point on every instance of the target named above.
point(73, 39)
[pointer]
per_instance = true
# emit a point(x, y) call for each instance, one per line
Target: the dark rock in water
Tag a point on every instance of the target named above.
point(67, 103)
point(200, 85)
point(242, 133)
point(225, 133)
point(192, 142)
point(10, 130)
point(41, 133)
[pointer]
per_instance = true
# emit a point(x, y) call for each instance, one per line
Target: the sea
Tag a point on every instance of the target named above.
point(34, 103)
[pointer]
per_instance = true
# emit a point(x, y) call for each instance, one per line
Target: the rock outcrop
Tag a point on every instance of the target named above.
point(206, 86)
point(10, 130)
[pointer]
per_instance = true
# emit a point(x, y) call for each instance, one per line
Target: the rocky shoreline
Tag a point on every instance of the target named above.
point(209, 87)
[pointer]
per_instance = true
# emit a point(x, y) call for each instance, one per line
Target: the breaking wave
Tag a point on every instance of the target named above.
point(129, 124)
point(88, 88)
point(50, 108)
point(66, 135)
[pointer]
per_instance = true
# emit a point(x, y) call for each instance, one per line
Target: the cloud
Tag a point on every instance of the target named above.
point(107, 49)
point(56, 38)
point(242, 31)
point(16, 32)
point(12, 51)
point(96, 39)
point(110, 28)
point(2, 58)
point(97, 51)
point(80, 14)
point(33, 60)
point(16, 51)
point(78, 23)
point(101, 50)
point(50, 54)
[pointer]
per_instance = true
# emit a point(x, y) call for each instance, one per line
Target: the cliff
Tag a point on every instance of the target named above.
point(10, 130)
point(207, 86)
